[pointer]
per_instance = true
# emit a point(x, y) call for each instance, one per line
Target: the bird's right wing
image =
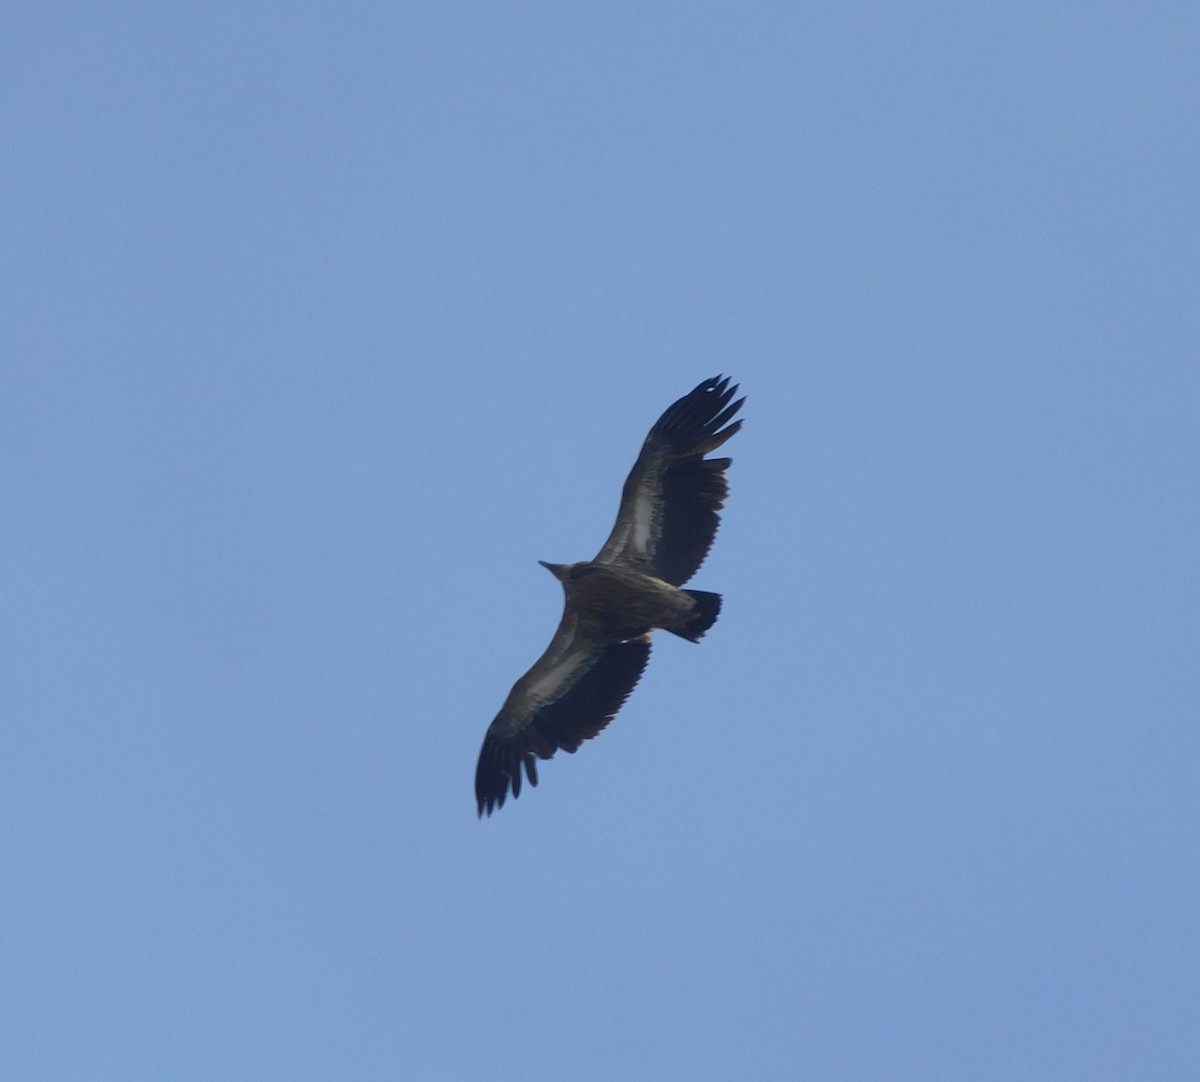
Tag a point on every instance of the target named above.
point(572, 692)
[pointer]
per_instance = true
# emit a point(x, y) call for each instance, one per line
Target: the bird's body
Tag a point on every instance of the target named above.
point(616, 602)
point(665, 526)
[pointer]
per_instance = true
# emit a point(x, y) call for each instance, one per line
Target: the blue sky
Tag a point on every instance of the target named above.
point(321, 324)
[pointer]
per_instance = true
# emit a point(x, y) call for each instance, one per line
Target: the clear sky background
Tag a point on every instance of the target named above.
point(321, 323)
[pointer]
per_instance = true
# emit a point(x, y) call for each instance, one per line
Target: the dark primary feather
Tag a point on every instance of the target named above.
point(587, 685)
point(671, 498)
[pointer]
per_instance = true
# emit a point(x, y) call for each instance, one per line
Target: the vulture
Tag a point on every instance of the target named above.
point(664, 529)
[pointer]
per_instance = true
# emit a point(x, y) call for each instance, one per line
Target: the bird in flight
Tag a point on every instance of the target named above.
point(664, 529)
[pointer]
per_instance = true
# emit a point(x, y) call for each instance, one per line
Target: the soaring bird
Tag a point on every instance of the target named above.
point(664, 529)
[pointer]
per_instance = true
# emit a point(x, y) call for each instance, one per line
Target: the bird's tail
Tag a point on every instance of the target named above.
point(705, 607)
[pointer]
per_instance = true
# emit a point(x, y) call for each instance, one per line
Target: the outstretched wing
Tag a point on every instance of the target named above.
point(572, 692)
point(668, 516)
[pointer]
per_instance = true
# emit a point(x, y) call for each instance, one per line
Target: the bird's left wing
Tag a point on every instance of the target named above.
point(673, 495)
point(572, 692)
